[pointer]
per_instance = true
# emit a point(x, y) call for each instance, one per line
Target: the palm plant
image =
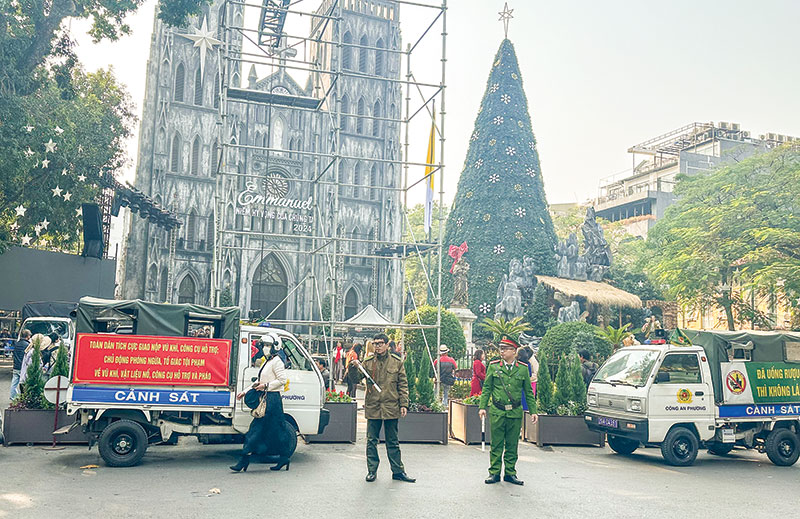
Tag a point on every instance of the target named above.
point(616, 335)
point(500, 327)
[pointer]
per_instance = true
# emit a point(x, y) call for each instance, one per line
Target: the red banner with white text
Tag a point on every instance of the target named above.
point(151, 361)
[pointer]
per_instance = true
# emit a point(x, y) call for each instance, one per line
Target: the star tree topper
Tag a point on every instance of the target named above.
point(505, 17)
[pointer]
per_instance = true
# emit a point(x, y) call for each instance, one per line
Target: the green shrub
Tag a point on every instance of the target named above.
point(564, 389)
point(460, 390)
point(544, 389)
point(411, 375)
point(32, 395)
point(424, 390)
point(578, 385)
point(452, 333)
point(61, 365)
point(560, 340)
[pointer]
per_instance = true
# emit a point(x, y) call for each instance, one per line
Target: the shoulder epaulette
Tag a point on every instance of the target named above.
point(368, 357)
point(520, 363)
point(398, 357)
point(496, 361)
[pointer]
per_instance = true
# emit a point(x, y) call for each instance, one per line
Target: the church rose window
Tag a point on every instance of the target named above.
point(270, 287)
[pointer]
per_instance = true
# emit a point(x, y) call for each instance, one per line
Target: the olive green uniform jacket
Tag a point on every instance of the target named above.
point(389, 372)
point(499, 379)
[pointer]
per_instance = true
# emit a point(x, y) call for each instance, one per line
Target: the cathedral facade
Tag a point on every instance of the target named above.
point(282, 184)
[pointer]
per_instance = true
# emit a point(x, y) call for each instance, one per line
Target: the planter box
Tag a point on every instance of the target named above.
point(465, 424)
point(560, 430)
point(422, 428)
point(36, 426)
point(342, 426)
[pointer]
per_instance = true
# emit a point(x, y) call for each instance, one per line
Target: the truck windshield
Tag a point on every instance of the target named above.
point(48, 327)
point(628, 367)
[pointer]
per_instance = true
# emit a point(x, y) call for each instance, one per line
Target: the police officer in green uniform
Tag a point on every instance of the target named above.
point(383, 408)
point(506, 380)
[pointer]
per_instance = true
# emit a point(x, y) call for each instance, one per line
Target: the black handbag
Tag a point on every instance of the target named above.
point(252, 398)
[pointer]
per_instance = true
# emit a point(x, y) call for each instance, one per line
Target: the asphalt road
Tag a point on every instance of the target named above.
point(328, 481)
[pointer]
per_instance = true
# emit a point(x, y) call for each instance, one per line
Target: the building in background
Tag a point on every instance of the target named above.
point(639, 199)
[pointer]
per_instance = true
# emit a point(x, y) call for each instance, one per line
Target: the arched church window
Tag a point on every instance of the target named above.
point(180, 82)
point(191, 229)
point(216, 90)
point(380, 57)
point(361, 111)
point(363, 54)
point(373, 182)
point(210, 232)
point(369, 247)
point(152, 278)
point(354, 235)
point(350, 303)
point(270, 287)
point(357, 180)
point(345, 111)
point(175, 155)
point(196, 156)
point(347, 51)
point(187, 290)
point(162, 295)
point(214, 158)
point(198, 87)
point(376, 124)
point(277, 134)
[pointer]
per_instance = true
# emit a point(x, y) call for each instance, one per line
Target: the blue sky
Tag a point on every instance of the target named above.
point(599, 76)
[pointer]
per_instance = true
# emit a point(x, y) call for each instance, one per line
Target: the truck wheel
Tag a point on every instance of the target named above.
point(719, 448)
point(122, 444)
point(622, 445)
point(680, 447)
point(783, 447)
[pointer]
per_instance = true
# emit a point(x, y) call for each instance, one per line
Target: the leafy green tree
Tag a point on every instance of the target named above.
point(538, 313)
point(733, 227)
point(414, 340)
point(416, 265)
point(411, 375)
point(424, 387)
point(501, 328)
point(564, 387)
point(544, 388)
point(616, 335)
point(500, 208)
point(61, 365)
point(577, 383)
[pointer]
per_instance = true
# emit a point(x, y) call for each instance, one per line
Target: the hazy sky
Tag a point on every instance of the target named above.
point(599, 76)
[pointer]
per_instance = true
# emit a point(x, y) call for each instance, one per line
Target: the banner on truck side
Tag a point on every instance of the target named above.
point(167, 397)
point(151, 361)
point(760, 382)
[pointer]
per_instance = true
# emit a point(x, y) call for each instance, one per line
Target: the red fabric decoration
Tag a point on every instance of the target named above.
point(456, 253)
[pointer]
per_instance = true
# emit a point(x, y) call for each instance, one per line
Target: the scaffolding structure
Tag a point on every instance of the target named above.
point(256, 36)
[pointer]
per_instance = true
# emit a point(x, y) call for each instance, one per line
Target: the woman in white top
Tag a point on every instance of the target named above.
point(270, 431)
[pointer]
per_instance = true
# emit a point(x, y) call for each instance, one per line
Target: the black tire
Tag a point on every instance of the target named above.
point(680, 447)
point(622, 445)
point(783, 447)
point(720, 449)
point(122, 444)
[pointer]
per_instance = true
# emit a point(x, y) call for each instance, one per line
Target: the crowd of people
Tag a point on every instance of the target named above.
point(23, 353)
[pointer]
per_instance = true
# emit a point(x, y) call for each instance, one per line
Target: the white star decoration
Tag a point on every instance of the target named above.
point(28, 152)
point(82, 177)
point(64, 171)
point(67, 196)
point(57, 191)
point(20, 209)
point(14, 226)
point(204, 40)
point(45, 163)
point(26, 240)
point(58, 130)
point(80, 148)
point(44, 223)
point(78, 211)
point(29, 128)
point(38, 229)
point(50, 146)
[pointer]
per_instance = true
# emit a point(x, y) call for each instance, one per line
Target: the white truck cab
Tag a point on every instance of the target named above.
point(63, 326)
point(664, 395)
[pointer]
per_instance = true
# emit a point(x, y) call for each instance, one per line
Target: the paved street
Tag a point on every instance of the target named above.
point(328, 480)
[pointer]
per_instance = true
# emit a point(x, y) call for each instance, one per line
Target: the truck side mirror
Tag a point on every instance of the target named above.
point(662, 377)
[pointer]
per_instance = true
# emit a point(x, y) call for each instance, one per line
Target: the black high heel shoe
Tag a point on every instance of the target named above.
point(242, 465)
point(281, 464)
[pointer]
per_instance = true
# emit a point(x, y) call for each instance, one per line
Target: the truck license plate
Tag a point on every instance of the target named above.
point(728, 436)
point(608, 422)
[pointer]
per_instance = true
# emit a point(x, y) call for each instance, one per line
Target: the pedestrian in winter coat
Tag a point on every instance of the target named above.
point(478, 373)
point(447, 371)
point(383, 408)
point(44, 343)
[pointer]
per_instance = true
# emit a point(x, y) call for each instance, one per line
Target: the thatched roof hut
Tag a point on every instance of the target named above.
point(601, 294)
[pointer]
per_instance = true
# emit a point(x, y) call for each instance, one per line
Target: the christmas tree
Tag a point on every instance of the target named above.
point(500, 208)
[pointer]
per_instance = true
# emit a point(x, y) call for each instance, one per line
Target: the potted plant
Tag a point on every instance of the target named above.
point(561, 406)
point(465, 424)
point(342, 425)
point(30, 417)
point(426, 421)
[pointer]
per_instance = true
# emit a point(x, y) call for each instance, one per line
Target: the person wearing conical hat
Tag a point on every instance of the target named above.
point(507, 379)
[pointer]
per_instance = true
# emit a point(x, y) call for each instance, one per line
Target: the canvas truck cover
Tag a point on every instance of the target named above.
point(778, 348)
point(144, 322)
point(48, 309)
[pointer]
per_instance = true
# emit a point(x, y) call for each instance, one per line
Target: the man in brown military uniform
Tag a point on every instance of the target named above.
point(384, 408)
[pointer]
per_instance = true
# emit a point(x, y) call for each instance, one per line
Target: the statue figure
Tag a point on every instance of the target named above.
point(515, 273)
point(461, 286)
point(571, 313)
point(511, 304)
point(597, 251)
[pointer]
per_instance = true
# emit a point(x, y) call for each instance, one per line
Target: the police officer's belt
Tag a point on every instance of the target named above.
point(506, 407)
